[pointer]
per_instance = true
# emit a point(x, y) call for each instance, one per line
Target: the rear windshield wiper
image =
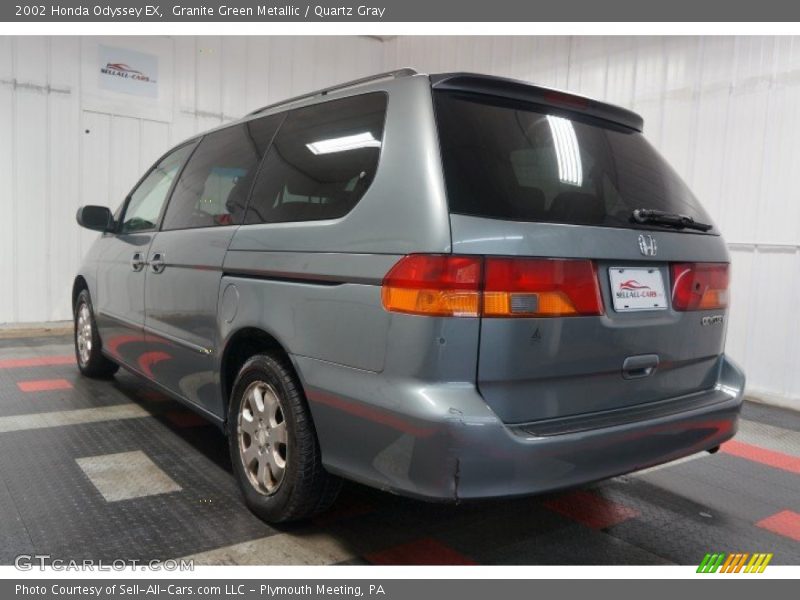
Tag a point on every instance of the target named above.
point(659, 217)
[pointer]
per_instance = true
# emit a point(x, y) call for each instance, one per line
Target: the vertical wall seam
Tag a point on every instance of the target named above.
point(14, 186)
point(764, 138)
point(694, 106)
point(662, 102)
point(221, 73)
point(196, 60)
point(81, 135)
point(571, 40)
point(48, 196)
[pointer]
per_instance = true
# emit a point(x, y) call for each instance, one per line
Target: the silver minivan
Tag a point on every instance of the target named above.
point(447, 286)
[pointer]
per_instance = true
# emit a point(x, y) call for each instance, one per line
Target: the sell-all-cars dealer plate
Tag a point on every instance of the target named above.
point(637, 288)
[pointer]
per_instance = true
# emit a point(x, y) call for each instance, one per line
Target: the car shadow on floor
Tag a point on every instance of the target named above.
point(373, 526)
point(626, 520)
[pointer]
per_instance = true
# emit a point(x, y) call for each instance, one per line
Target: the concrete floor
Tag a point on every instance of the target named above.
point(115, 470)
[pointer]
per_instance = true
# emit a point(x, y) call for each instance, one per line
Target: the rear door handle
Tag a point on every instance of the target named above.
point(137, 261)
point(157, 262)
point(636, 367)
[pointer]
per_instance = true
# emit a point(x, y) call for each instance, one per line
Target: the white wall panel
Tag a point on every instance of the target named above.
point(620, 71)
point(185, 72)
point(257, 81)
point(31, 194)
point(588, 61)
point(124, 150)
point(234, 77)
point(153, 141)
point(742, 291)
point(709, 168)
point(208, 71)
point(7, 203)
point(280, 71)
point(780, 166)
point(679, 106)
point(31, 60)
point(95, 172)
point(724, 111)
point(771, 344)
point(744, 155)
point(31, 190)
point(64, 160)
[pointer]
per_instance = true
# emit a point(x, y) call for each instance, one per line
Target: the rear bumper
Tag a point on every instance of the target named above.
point(441, 442)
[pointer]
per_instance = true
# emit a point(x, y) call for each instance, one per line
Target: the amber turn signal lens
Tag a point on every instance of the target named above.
point(447, 303)
point(435, 285)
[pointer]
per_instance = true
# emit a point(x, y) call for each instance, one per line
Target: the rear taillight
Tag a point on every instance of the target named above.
point(447, 285)
point(528, 287)
point(699, 286)
point(441, 285)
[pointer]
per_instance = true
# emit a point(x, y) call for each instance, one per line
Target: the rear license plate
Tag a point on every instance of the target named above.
point(637, 289)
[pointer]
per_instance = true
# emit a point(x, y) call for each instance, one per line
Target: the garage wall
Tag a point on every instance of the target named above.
point(725, 112)
point(95, 157)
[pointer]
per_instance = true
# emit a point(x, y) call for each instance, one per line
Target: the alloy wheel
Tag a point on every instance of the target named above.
point(83, 334)
point(262, 437)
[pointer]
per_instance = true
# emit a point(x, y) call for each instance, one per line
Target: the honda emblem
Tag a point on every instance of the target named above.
point(647, 245)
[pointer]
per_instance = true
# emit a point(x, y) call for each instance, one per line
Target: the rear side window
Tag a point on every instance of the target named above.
point(213, 188)
point(514, 161)
point(322, 161)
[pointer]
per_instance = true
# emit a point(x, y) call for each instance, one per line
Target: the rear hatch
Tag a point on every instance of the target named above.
point(545, 187)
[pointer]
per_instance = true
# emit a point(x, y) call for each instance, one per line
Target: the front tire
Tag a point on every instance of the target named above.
point(91, 361)
point(273, 444)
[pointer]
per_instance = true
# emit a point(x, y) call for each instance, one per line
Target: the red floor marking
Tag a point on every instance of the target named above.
point(425, 551)
point(590, 509)
point(785, 523)
point(186, 418)
point(779, 460)
point(44, 385)
point(37, 361)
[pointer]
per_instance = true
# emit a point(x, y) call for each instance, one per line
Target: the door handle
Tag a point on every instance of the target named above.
point(636, 367)
point(137, 261)
point(157, 262)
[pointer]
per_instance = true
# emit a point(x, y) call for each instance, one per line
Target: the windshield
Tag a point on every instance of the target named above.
point(508, 160)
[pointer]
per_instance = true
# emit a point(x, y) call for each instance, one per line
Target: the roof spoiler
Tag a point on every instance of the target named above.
point(521, 90)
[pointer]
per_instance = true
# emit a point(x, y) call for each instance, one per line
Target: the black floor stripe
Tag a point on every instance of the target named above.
point(772, 415)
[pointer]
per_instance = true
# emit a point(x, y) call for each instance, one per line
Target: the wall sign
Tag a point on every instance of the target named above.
point(128, 76)
point(128, 71)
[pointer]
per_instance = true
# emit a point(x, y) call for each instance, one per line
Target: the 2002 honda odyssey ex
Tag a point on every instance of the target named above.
point(451, 286)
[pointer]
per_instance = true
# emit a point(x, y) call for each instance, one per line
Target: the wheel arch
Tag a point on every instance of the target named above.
point(241, 345)
point(78, 286)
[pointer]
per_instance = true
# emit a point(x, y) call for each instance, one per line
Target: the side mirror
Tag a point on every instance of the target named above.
point(97, 218)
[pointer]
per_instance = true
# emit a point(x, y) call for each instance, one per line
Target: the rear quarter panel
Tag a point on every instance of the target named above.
point(315, 285)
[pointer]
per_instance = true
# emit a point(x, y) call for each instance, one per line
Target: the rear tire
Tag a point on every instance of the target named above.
point(91, 361)
point(274, 449)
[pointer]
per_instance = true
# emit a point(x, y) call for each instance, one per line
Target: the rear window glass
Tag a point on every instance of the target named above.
point(321, 162)
point(507, 160)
